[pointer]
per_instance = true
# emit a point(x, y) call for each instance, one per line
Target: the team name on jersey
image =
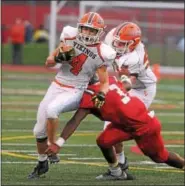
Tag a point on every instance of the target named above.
point(85, 50)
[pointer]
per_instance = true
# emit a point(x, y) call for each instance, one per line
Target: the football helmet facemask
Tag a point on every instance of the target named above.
point(95, 23)
point(126, 37)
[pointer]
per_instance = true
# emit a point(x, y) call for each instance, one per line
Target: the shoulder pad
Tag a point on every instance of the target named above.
point(68, 32)
point(109, 37)
point(107, 52)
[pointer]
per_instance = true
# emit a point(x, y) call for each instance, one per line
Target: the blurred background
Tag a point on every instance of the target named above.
point(29, 31)
point(162, 25)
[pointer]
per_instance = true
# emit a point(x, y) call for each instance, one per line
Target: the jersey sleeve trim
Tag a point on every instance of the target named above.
point(72, 38)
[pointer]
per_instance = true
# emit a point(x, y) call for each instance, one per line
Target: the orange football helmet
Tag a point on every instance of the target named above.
point(94, 21)
point(126, 37)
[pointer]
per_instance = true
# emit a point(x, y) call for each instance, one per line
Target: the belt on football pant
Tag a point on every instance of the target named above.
point(62, 85)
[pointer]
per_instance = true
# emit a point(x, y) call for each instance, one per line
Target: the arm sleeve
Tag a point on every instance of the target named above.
point(68, 32)
point(107, 55)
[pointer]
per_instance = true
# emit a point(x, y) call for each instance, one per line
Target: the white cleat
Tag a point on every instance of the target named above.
point(109, 175)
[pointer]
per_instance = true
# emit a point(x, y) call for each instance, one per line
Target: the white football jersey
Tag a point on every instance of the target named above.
point(109, 37)
point(82, 67)
point(137, 62)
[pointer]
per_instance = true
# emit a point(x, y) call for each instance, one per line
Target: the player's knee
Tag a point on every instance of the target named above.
point(160, 157)
point(39, 133)
point(51, 112)
point(102, 143)
point(41, 140)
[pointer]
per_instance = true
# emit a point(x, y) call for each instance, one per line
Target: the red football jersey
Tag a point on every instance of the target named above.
point(127, 112)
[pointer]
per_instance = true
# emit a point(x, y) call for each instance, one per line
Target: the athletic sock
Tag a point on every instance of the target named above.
point(121, 157)
point(42, 157)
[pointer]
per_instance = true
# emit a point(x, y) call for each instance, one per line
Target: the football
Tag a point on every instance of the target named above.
point(65, 53)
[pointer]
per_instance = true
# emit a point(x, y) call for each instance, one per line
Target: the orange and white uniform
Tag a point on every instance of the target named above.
point(137, 62)
point(65, 92)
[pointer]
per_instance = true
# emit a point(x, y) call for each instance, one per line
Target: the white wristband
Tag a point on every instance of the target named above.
point(60, 141)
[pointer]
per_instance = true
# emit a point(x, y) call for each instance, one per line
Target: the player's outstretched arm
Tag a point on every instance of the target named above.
point(103, 78)
point(74, 122)
point(68, 130)
point(99, 98)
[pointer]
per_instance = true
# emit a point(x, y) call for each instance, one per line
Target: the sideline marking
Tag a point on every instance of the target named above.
point(26, 137)
point(100, 164)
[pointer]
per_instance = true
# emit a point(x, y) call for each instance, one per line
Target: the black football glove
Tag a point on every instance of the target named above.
point(66, 55)
point(99, 99)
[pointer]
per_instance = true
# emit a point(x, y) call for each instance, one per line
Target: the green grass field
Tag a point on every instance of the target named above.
point(81, 160)
point(36, 54)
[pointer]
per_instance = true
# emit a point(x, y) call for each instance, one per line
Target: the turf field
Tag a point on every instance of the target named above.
point(81, 160)
point(157, 54)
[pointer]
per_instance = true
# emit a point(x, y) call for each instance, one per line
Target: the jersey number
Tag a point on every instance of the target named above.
point(125, 99)
point(146, 60)
point(77, 63)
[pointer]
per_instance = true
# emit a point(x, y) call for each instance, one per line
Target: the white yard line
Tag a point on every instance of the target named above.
point(131, 163)
point(19, 110)
point(34, 153)
point(20, 103)
point(58, 154)
point(23, 91)
point(18, 162)
point(73, 145)
point(170, 114)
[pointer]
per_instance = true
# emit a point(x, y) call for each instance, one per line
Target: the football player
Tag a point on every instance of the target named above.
point(132, 65)
point(130, 119)
point(81, 54)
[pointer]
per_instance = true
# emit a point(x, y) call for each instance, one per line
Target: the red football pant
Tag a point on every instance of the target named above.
point(151, 143)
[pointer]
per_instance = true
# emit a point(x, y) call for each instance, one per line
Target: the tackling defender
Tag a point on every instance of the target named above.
point(81, 54)
point(132, 65)
point(130, 120)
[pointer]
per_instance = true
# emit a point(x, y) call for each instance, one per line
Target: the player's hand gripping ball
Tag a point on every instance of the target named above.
point(65, 53)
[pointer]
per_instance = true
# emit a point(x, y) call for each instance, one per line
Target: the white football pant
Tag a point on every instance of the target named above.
point(56, 100)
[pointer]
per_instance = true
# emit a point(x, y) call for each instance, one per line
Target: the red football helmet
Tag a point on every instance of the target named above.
point(94, 21)
point(126, 37)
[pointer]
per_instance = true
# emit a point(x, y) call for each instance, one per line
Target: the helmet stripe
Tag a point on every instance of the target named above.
point(92, 14)
point(120, 27)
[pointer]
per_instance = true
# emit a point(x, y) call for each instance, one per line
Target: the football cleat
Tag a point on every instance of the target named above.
point(40, 169)
point(54, 158)
point(111, 176)
point(124, 166)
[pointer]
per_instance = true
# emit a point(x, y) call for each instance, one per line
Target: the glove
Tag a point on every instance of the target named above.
point(65, 53)
point(99, 99)
point(125, 78)
point(52, 149)
point(126, 81)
